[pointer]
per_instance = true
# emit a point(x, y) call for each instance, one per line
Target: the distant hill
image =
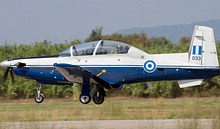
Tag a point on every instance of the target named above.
point(174, 32)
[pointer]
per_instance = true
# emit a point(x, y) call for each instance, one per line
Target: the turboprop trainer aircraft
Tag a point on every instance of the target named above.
point(110, 64)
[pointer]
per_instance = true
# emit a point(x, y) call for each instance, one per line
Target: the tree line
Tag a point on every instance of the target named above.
point(24, 88)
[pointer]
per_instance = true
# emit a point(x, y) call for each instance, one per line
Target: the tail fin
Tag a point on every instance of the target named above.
point(202, 49)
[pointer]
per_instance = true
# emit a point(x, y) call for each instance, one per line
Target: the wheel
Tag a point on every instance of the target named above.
point(98, 99)
point(84, 99)
point(39, 99)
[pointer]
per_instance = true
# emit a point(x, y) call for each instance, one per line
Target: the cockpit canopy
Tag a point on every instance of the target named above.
point(96, 48)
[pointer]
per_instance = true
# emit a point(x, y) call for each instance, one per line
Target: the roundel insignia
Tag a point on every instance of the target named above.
point(150, 66)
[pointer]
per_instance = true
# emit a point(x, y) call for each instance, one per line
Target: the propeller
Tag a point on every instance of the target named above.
point(149, 85)
point(9, 70)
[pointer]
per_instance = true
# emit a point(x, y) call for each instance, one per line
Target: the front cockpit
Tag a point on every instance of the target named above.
point(96, 48)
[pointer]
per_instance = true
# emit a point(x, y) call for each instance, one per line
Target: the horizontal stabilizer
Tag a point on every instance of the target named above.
point(189, 83)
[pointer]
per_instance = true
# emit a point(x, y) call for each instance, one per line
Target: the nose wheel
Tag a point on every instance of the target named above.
point(39, 98)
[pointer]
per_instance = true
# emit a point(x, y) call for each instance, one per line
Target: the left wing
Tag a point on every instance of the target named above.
point(75, 73)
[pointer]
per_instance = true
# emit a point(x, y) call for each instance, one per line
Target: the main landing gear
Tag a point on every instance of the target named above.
point(84, 99)
point(39, 97)
point(98, 97)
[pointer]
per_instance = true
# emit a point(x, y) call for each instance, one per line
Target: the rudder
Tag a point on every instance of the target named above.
point(202, 49)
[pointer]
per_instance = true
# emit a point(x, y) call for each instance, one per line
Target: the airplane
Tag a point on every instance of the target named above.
point(110, 64)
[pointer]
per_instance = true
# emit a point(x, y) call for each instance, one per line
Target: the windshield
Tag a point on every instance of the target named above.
point(98, 47)
point(112, 47)
point(65, 53)
point(84, 48)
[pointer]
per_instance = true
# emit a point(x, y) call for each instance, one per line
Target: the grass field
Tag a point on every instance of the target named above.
point(114, 108)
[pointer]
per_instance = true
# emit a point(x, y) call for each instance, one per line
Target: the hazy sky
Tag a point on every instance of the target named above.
point(58, 20)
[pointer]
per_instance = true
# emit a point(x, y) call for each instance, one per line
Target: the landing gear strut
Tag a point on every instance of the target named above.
point(85, 97)
point(39, 98)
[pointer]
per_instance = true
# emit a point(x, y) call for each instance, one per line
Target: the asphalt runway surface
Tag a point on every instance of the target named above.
point(113, 124)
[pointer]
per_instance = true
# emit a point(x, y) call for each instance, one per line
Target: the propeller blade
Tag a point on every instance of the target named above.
point(149, 85)
point(12, 75)
point(6, 74)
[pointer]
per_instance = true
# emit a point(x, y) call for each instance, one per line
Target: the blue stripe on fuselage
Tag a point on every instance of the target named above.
point(118, 74)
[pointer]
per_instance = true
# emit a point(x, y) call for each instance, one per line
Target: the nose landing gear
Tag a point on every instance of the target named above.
point(39, 97)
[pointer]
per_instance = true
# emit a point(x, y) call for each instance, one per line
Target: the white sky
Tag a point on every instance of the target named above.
point(28, 21)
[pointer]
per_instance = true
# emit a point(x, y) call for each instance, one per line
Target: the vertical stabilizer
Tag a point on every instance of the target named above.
point(202, 49)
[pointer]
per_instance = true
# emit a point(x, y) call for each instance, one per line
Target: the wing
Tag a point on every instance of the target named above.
point(75, 73)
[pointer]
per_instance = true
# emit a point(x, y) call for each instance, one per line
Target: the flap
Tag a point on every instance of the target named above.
point(189, 83)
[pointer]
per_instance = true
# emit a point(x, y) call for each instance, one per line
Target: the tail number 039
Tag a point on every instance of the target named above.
point(197, 58)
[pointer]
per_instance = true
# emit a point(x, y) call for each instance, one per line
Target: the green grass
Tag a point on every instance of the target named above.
point(116, 108)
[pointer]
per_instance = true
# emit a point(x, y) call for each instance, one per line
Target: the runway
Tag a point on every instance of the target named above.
point(114, 124)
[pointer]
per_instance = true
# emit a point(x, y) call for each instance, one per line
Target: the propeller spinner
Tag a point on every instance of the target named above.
point(7, 65)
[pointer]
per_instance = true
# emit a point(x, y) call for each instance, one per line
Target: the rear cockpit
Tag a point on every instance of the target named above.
point(96, 48)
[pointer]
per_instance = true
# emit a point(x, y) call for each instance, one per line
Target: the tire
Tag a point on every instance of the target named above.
point(84, 99)
point(98, 99)
point(39, 99)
